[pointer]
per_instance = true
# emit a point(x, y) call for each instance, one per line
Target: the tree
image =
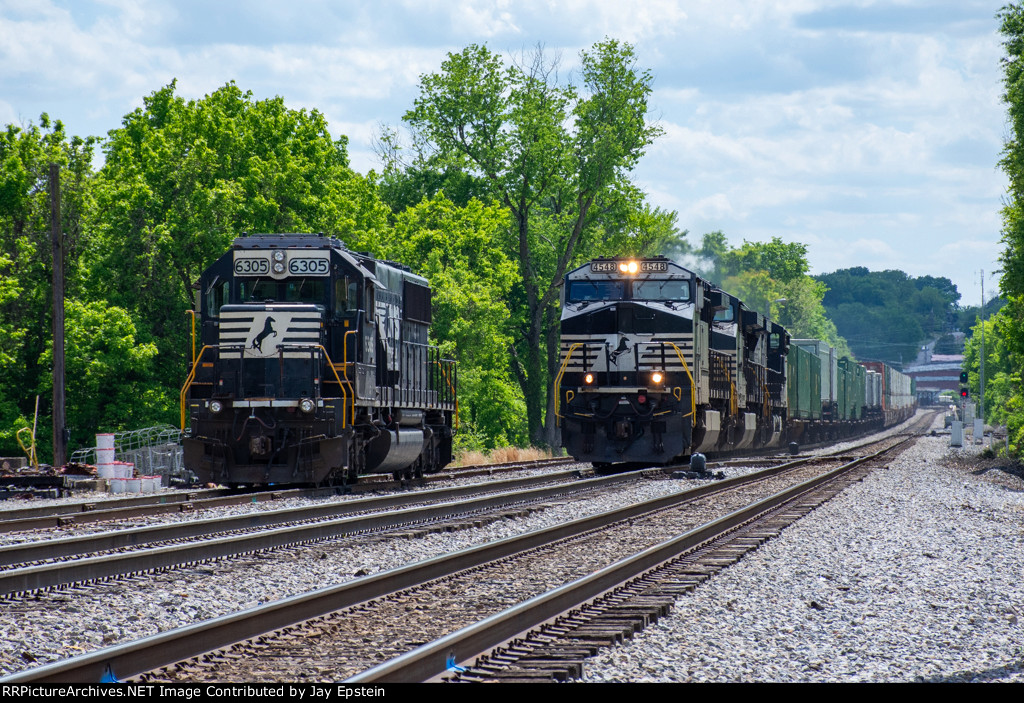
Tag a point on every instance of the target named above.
point(26, 259)
point(1004, 396)
point(548, 152)
point(183, 178)
point(783, 262)
point(888, 315)
point(113, 386)
point(771, 277)
point(458, 249)
point(1004, 359)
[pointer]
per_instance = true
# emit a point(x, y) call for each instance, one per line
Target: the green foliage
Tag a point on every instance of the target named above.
point(782, 262)
point(1004, 332)
point(771, 277)
point(183, 178)
point(888, 315)
point(555, 155)
point(1012, 28)
point(459, 249)
point(111, 385)
point(26, 258)
point(1004, 360)
point(967, 317)
point(639, 230)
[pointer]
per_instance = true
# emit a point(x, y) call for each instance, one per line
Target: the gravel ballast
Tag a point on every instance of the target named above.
point(914, 574)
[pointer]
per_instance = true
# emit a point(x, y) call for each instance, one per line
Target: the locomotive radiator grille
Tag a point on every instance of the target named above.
point(258, 332)
point(599, 354)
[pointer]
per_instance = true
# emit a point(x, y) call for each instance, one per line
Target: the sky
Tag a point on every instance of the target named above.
point(869, 131)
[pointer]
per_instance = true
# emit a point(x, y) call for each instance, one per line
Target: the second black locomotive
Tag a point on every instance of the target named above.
point(314, 367)
point(657, 364)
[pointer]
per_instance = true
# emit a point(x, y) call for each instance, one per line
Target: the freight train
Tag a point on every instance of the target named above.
point(314, 367)
point(658, 364)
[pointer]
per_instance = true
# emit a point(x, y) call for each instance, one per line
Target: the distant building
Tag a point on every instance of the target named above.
point(940, 373)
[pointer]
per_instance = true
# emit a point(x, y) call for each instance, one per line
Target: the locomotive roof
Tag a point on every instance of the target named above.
point(290, 240)
point(304, 240)
point(668, 267)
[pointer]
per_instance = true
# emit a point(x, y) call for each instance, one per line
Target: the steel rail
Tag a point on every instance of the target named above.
point(48, 516)
point(93, 568)
point(140, 536)
point(463, 646)
point(133, 658)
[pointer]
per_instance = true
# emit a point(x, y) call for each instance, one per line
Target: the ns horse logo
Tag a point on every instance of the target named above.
point(268, 330)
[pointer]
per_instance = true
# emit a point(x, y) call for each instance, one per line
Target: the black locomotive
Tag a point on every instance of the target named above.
point(314, 368)
point(658, 364)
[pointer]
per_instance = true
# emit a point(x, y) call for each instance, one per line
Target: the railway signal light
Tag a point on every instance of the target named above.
point(964, 393)
point(963, 377)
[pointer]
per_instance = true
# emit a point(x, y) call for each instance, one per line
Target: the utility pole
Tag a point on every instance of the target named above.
point(981, 396)
point(57, 239)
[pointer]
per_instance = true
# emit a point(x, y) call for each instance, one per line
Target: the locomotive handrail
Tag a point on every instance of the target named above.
point(195, 365)
point(734, 407)
point(444, 374)
point(344, 391)
point(188, 382)
point(193, 314)
point(344, 372)
point(558, 379)
point(686, 367)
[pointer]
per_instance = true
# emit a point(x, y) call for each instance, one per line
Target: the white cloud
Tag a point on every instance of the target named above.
point(781, 118)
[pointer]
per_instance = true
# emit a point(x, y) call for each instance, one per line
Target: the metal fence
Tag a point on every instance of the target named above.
point(155, 451)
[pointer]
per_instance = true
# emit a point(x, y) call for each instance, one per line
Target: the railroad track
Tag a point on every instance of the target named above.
point(557, 646)
point(50, 563)
point(165, 503)
point(132, 658)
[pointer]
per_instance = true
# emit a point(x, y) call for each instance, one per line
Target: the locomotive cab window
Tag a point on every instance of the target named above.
point(258, 290)
point(304, 290)
point(580, 291)
point(725, 315)
point(292, 290)
point(346, 292)
point(216, 297)
point(669, 289)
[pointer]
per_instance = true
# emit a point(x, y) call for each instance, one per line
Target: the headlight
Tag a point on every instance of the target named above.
point(278, 256)
point(307, 406)
point(216, 406)
point(278, 267)
point(588, 379)
point(656, 377)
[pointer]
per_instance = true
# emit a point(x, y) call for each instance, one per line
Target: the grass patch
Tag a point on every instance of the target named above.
point(501, 455)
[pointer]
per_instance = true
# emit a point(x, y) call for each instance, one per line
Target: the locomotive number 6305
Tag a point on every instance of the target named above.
point(308, 267)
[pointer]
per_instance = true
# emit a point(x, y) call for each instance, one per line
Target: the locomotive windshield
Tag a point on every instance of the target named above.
point(664, 289)
point(725, 314)
point(596, 290)
point(290, 290)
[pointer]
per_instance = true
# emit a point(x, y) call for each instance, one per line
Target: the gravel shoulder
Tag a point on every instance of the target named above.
point(914, 574)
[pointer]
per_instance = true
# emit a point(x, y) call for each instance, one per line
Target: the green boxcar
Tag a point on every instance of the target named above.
point(852, 389)
point(842, 385)
point(860, 391)
point(803, 376)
